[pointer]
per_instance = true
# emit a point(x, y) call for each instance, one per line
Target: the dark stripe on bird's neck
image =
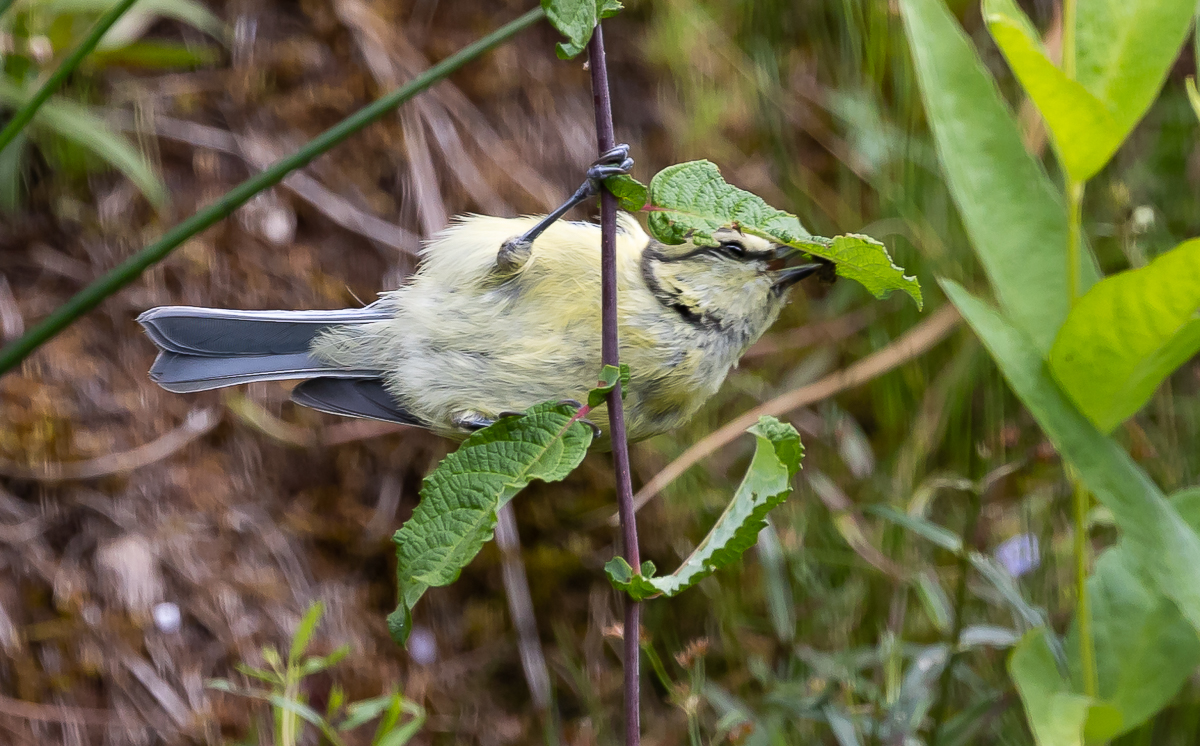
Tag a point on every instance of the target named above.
point(703, 321)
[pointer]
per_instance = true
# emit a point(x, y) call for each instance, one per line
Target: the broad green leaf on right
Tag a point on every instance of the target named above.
point(1085, 132)
point(1013, 214)
point(1128, 333)
point(1057, 715)
point(767, 483)
point(1145, 649)
point(1164, 545)
point(1124, 50)
point(691, 201)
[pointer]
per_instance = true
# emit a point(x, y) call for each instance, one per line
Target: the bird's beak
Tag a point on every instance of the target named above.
point(787, 276)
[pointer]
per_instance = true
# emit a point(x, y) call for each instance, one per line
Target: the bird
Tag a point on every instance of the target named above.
point(503, 314)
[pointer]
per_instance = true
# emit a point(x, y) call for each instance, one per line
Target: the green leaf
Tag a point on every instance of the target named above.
point(610, 376)
point(1013, 214)
point(575, 19)
point(1124, 50)
point(1161, 542)
point(12, 174)
point(261, 674)
point(1193, 96)
point(943, 537)
point(77, 124)
point(308, 714)
point(1056, 714)
point(459, 500)
point(157, 55)
point(935, 601)
point(1085, 132)
point(316, 664)
point(304, 631)
point(364, 711)
point(1145, 649)
point(134, 23)
point(1128, 333)
point(767, 483)
point(691, 201)
point(632, 195)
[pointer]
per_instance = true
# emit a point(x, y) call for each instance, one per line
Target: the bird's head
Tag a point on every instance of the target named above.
point(736, 287)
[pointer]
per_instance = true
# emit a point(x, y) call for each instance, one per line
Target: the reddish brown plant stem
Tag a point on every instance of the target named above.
point(610, 355)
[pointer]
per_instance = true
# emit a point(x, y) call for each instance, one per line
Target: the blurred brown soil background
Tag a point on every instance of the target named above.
point(242, 509)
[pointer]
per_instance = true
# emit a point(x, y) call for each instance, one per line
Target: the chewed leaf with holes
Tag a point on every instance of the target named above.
point(691, 201)
point(767, 483)
point(460, 498)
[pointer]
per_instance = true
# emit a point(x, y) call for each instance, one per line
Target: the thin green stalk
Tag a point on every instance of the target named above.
point(1074, 189)
point(1074, 219)
point(131, 268)
point(1083, 611)
point(1069, 22)
point(30, 108)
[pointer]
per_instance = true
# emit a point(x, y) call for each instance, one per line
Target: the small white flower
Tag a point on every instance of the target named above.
point(422, 646)
point(1019, 555)
point(167, 618)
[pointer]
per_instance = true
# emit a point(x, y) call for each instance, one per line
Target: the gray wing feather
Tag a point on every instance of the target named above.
point(353, 397)
point(188, 330)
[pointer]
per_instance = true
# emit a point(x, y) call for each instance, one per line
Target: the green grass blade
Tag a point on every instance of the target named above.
point(12, 166)
point(1013, 214)
point(304, 632)
point(26, 113)
point(131, 268)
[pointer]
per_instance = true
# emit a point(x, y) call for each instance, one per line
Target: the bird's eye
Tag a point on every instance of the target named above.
point(733, 249)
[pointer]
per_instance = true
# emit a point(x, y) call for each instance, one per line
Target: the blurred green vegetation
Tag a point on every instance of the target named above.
point(822, 98)
point(835, 628)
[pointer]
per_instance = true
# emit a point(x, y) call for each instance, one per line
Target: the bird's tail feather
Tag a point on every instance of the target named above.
point(208, 348)
point(215, 332)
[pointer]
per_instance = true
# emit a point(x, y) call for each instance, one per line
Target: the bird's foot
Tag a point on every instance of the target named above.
point(516, 251)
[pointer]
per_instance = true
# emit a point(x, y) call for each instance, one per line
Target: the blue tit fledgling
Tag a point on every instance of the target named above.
point(503, 313)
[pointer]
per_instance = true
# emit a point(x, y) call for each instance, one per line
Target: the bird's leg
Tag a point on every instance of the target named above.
point(515, 251)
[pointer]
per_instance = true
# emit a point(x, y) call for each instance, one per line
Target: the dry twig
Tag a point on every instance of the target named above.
point(198, 423)
point(255, 152)
point(18, 708)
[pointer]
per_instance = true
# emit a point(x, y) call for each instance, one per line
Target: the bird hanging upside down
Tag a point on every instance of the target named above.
point(504, 313)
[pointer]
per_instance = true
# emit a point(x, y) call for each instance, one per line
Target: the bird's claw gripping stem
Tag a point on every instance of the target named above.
point(515, 251)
